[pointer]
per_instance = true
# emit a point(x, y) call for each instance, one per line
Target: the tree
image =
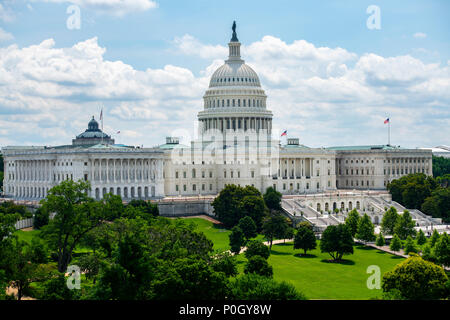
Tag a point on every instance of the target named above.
point(255, 287)
point(253, 206)
point(41, 218)
point(438, 204)
point(389, 221)
point(90, 265)
point(434, 237)
point(257, 248)
point(411, 190)
point(248, 228)
point(396, 243)
point(272, 199)
point(20, 270)
point(404, 226)
point(441, 166)
point(416, 279)
point(289, 233)
point(380, 240)
point(226, 263)
point(56, 289)
point(352, 221)
point(365, 229)
point(76, 214)
point(258, 265)
point(421, 239)
point(305, 239)
point(236, 239)
point(149, 209)
point(229, 206)
point(428, 254)
point(442, 250)
point(410, 246)
point(337, 241)
point(274, 227)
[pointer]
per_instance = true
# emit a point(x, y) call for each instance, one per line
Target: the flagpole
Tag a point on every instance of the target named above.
point(389, 132)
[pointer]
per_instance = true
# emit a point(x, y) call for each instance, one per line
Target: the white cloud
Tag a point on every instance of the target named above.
point(5, 36)
point(326, 96)
point(420, 35)
point(6, 15)
point(114, 7)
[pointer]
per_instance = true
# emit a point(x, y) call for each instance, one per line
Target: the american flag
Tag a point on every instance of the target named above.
point(284, 133)
point(386, 121)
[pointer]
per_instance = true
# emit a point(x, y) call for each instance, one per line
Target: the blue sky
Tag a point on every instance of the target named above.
point(412, 49)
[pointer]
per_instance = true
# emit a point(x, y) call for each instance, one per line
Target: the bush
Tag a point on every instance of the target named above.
point(255, 287)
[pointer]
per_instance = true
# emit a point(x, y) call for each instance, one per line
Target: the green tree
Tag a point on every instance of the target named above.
point(272, 199)
point(41, 218)
point(90, 265)
point(257, 248)
point(438, 204)
point(229, 206)
point(434, 238)
point(290, 232)
point(258, 265)
point(147, 207)
point(236, 239)
point(337, 241)
point(416, 279)
point(56, 289)
point(20, 270)
point(76, 214)
point(441, 166)
point(305, 239)
point(442, 250)
point(365, 229)
point(380, 240)
point(274, 227)
point(255, 287)
point(248, 227)
point(226, 263)
point(428, 254)
point(352, 221)
point(389, 221)
point(405, 226)
point(396, 243)
point(410, 246)
point(421, 239)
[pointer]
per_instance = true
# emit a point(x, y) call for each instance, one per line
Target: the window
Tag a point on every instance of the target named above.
point(253, 174)
point(210, 187)
point(184, 187)
point(176, 174)
point(193, 173)
point(194, 187)
point(176, 188)
point(184, 174)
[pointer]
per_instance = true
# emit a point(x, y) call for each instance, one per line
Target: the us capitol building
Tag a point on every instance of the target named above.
point(235, 146)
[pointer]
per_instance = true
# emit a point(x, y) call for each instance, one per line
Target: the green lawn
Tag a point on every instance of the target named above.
point(313, 274)
point(27, 235)
point(216, 233)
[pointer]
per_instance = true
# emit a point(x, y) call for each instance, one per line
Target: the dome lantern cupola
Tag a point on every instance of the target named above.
point(234, 46)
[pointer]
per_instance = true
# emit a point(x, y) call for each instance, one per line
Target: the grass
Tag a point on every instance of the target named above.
point(216, 233)
point(312, 274)
point(27, 236)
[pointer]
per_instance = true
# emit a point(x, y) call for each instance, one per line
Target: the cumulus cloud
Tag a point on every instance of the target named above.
point(114, 7)
point(325, 96)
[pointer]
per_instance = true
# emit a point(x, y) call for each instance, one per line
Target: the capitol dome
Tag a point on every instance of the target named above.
point(235, 100)
point(235, 73)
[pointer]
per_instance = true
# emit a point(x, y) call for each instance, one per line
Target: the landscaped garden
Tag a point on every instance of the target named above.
point(313, 274)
